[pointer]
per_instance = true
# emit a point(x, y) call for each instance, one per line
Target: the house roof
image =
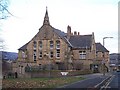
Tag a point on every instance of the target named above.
point(75, 41)
point(58, 32)
point(100, 48)
point(24, 47)
point(63, 36)
point(81, 41)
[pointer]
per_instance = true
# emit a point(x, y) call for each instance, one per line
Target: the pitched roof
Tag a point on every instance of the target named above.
point(58, 32)
point(63, 36)
point(100, 48)
point(24, 47)
point(81, 41)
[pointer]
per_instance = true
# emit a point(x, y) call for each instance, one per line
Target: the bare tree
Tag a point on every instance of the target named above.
point(2, 44)
point(4, 12)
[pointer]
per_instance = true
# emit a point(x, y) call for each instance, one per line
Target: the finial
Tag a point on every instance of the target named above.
point(46, 18)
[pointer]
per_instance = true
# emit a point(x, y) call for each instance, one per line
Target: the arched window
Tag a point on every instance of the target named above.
point(57, 49)
point(51, 45)
point(51, 54)
point(40, 44)
point(57, 44)
point(35, 44)
point(34, 55)
point(40, 54)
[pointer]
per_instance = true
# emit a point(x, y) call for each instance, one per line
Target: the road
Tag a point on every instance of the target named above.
point(90, 82)
point(114, 82)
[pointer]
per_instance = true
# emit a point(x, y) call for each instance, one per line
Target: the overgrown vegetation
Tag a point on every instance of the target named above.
point(38, 82)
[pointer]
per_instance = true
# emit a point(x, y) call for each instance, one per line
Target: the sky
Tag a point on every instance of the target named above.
point(84, 16)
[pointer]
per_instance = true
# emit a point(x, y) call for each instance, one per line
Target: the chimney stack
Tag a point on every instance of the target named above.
point(75, 33)
point(68, 31)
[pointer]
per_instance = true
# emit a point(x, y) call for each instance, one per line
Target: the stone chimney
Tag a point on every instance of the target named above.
point(75, 32)
point(68, 31)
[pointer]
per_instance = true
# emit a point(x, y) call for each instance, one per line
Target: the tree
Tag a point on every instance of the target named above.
point(2, 44)
point(4, 12)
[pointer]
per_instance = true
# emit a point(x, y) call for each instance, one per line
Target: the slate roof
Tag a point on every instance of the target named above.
point(60, 33)
point(100, 48)
point(63, 36)
point(24, 47)
point(81, 41)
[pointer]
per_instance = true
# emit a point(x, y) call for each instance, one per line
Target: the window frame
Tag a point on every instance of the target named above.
point(35, 55)
point(57, 53)
point(82, 54)
point(51, 55)
point(40, 54)
point(51, 44)
point(40, 45)
point(34, 44)
point(58, 44)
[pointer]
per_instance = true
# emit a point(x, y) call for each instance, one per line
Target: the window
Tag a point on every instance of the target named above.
point(40, 55)
point(51, 54)
point(51, 44)
point(58, 44)
point(23, 54)
point(58, 53)
point(35, 44)
point(40, 44)
point(82, 54)
point(34, 55)
point(34, 58)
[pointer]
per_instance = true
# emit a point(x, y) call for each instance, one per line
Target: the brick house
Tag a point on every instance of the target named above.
point(51, 48)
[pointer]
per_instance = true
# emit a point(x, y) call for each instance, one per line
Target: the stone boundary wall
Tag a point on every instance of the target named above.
point(54, 73)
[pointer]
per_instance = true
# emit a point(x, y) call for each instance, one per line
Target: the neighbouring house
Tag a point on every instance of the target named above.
point(114, 61)
point(6, 61)
point(54, 49)
point(102, 57)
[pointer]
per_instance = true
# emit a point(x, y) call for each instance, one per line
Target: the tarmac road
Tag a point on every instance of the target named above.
point(114, 82)
point(90, 82)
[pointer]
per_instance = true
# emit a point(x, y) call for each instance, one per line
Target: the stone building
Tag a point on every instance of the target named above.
point(102, 57)
point(51, 48)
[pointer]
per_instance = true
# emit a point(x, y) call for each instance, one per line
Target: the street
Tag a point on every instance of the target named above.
point(91, 81)
point(114, 82)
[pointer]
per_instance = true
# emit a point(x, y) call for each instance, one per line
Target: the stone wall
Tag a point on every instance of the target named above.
point(55, 73)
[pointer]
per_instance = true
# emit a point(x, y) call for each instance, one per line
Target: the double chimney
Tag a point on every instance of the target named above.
point(69, 33)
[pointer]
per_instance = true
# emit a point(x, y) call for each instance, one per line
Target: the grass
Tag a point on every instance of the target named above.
point(38, 82)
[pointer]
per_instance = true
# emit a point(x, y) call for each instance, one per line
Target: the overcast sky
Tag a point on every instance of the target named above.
point(84, 16)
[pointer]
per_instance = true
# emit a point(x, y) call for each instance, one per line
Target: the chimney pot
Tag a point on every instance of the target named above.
point(75, 33)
